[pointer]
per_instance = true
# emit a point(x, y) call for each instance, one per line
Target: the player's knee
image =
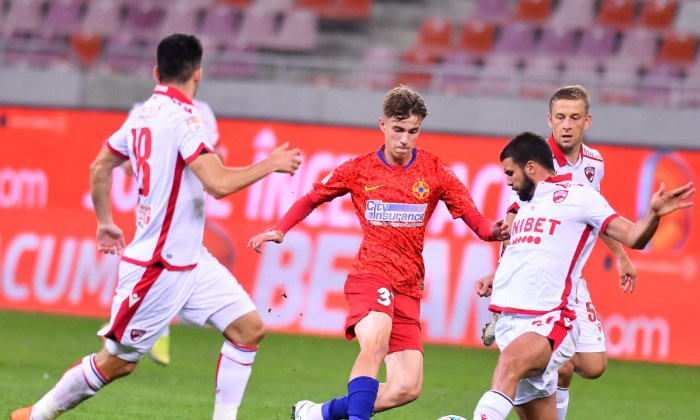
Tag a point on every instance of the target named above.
point(593, 371)
point(566, 374)
point(404, 393)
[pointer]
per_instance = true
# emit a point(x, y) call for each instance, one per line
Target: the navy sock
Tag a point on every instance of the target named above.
point(362, 394)
point(335, 409)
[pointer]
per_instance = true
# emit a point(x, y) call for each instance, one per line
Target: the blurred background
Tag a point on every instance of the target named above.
point(486, 66)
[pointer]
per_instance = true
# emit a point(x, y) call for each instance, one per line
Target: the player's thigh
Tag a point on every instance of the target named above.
point(373, 331)
point(218, 299)
point(404, 369)
point(538, 409)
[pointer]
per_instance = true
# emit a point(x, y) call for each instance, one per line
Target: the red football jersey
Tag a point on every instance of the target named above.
point(394, 207)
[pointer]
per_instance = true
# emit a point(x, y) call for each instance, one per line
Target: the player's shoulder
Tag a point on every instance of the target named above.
point(590, 153)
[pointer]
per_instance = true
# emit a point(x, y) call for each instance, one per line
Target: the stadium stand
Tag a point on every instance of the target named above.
point(623, 49)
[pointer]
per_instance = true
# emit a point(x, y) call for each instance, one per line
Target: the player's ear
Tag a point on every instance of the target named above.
point(197, 76)
point(381, 124)
point(156, 74)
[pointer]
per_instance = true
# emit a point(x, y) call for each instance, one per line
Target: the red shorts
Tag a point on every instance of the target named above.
point(365, 294)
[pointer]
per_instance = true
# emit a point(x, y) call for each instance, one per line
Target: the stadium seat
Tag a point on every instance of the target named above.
point(274, 6)
point(21, 17)
point(496, 11)
point(541, 76)
point(687, 18)
point(257, 28)
point(677, 48)
point(639, 45)
point(533, 10)
point(690, 92)
point(219, 25)
point(143, 20)
point(416, 69)
point(87, 48)
point(298, 32)
point(616, 13)
point(657, 14)
point(102, 17)
point(434, 35)
point(498, 77)
point(517, 38)
point(619, 82)
point(62, 16)
point(580, 70)
point(180, 17)
point(576, 14)
point(556, 41)
point(350, 10)
point(458, 72)
point(379, 67)
point(597, 44)
point(38, 50)
point(477, 36)
point(125, 53)
point(659, 84)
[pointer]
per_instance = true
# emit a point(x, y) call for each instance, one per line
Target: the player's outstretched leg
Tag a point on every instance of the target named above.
point(489, 332)
point(77, 384)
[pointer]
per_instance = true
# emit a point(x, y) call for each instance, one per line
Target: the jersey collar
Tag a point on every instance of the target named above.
point(381, 156)
point(558, 154)
point(162, 89)
point(559, 178)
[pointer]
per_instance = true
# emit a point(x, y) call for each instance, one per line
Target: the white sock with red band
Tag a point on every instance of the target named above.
point(235, 366)
point(77, 384)
point(562, 402)
point(493, 405)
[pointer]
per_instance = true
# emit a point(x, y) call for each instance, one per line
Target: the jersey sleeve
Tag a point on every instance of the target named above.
point(597, 212)
point(337, 183)
point(193, 138)
point(209, 121)
point(455, 194)
point(118, 142)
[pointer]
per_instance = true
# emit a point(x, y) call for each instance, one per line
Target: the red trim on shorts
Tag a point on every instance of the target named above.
point(154, 261)
point(559, 332)
point(126, 312)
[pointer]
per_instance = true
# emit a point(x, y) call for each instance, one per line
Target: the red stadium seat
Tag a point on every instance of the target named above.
point(678, 49)
point(658, 14)
point(616, 13)
point(477, 36)
point(533, 10)
point(435, 35)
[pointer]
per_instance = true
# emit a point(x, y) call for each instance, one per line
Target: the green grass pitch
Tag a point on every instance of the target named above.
point(36, 349)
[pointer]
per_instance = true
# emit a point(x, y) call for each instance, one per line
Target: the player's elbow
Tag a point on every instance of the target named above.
point(216, 192)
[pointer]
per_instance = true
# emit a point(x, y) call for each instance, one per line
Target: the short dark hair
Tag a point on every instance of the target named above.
point(402, 102)
point(178, 57)
point(571, 93)
point(527, 147)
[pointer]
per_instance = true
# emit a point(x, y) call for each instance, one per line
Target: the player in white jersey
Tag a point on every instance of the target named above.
point(551, 238)
point(160, 352)
point(569, 117)
point(166, 271)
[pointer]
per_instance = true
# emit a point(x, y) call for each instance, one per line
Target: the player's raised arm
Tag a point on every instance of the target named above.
point(637, 235)
point(110, 238)
point(220, 181)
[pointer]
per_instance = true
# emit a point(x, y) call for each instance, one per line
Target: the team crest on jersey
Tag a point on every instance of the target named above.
point(137, 334)
point(195, 124)
point(421, 189)
point(560, 195)
point(590, 173)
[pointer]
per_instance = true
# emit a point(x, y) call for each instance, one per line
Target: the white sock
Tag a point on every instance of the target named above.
point(562, 402)
point(493, 405)
point(77, 384)
point(225, 412)
point(315, 412)
point(235, 366)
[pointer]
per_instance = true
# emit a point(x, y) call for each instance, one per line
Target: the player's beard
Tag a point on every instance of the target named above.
point(527, 190)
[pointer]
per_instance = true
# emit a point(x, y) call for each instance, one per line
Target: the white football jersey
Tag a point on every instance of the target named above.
point(587, 170)
point(205, 113)
point(160, 138)
point(551, 238)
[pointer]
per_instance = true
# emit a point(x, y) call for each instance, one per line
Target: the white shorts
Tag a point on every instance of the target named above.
point(553, 326)
point(147, 299)
point(592, 337)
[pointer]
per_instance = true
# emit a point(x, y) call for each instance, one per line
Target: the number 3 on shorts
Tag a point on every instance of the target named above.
point(384, 296)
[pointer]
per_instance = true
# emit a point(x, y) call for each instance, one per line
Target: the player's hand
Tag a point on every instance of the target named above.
point(276, 236)
point(500, 229)
point(665, 202)
point(484, 286)
point(628, 274)
point(110, 239)
point(284, 160)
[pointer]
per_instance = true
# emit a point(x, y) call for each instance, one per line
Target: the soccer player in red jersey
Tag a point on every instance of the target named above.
point(394, 191)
